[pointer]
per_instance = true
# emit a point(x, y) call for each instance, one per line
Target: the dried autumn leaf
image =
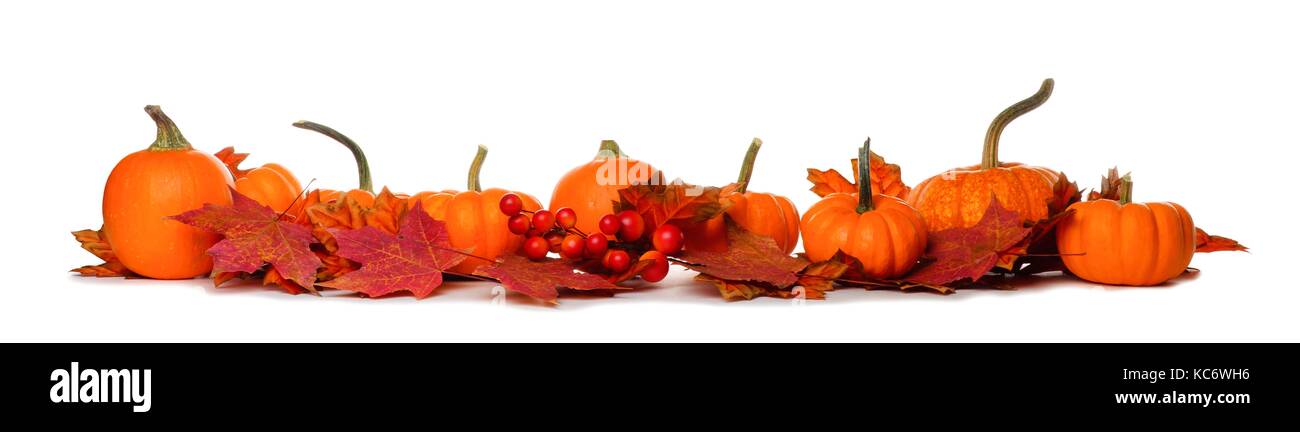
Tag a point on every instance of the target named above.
point(821, 276)
point(541, 279)
point(228, 157)
point(660, 203)
point(1212, 243)
point(852, 275)
point(748, 258)
point(886, 178)
point(1040, 241)
point(411, 260)
point(1064, 194)
point(273, 277)
point(347, 213)
point(740, 290)
point(255, 236)
point(1109, 186)
point(93, 241)
point(969, 253)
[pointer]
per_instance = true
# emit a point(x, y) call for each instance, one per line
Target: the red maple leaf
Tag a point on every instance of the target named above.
point(93, 241)
point(1212, 243)
point(748, 258)
point(256, 236)
point(660, 203)
point(540, 279)
point(411, 260)
point(969, 253)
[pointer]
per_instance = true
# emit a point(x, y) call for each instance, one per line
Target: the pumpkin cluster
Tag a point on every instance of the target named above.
point(619, 218)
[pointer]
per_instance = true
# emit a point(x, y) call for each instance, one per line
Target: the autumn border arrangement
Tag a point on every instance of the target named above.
point(173, 212)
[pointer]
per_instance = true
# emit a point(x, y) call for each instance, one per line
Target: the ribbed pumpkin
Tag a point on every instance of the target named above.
point(770, 215)
point(591, 189)
point(1126, 243)
point(271, 185)
point(363, 194)
point(883, 233)
point(474, 219)
point(147, 187)
point(958, 198)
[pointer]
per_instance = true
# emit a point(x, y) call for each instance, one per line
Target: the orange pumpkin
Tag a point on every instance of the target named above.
point(958, 198)
point(770, 215)
point(1126, 243)
point(592, 188)
point(474, 219)
point(365, 193)
point(883, 233)
point(147, 187)
point(272, 185)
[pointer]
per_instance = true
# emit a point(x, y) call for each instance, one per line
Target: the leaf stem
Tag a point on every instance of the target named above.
point(363, 166)
point(169, 136)
point(864, 178)
point(747, 167)
point(990, 157)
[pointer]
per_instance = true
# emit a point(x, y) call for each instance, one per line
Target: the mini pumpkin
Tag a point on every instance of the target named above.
point(146, 188)
point(272, 185)
point(958, 198)
point(770, 215)
point(883, 233)
point(1120, 242)
point(591, 189)
point(474, 219)
point(364, 194)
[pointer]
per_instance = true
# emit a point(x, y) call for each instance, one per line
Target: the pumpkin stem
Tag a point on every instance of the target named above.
point(474, 168)
point(864, 178)
point(1126, 189)
point(363, 167)
point(169, 136)
point(747, 167)
point(609, 149)
point(1004, 118)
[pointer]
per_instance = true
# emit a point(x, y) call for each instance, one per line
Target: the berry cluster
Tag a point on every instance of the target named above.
point(621, 235)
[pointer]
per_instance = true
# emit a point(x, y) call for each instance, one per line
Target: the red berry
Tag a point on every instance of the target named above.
point(609, 225)
point(554, 240)
point(597, 244)
point(631, 225)
point(511, 204)
point(543, 220)
point(668, 239)
point(519, 224)
point(573, 246)
point(535, 248)
point(658, 269)
point(566, 217)
point(617, 260)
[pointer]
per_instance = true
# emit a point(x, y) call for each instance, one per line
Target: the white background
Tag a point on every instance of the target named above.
point(1198, 99)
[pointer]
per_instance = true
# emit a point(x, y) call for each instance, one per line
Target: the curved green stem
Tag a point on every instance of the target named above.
point(990, 159)
point(864, 178)
point(169, 136)
point(1126, 189)
point(747, 167)
point(363, 166)
point(475, 167)
point(608, 149)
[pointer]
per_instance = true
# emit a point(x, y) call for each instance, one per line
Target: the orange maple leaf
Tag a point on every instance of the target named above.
point(886, 179)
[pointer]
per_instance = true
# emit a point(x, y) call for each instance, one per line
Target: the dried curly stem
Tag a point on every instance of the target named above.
point(990, 159)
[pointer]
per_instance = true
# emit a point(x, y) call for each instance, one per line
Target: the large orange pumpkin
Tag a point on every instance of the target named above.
point(474, 219)
point(770, 215)
point(272, 185)
point(883, 233)
point(363, 194)
point(591, 189)
point(958, 198)
point(146, 187)
point(1126, 243)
